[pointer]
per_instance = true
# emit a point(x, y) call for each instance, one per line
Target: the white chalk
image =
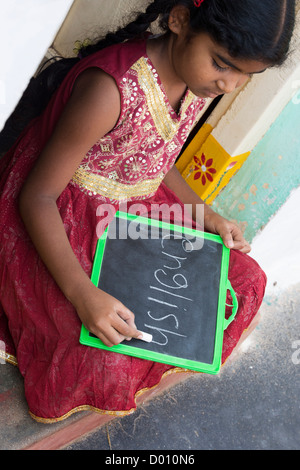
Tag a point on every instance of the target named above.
point(146, 337)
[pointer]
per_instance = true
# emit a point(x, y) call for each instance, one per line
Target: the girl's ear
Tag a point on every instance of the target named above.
point(179, 19)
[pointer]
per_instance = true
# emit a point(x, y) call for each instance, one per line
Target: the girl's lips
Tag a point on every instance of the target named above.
point(210, 94)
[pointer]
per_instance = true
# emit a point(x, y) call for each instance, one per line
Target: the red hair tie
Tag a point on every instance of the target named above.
point(198, 3)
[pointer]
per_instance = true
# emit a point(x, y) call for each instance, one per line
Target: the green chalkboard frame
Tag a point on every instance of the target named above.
point(221, 322)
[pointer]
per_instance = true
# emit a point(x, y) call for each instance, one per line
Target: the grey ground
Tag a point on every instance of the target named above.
point(253, 404)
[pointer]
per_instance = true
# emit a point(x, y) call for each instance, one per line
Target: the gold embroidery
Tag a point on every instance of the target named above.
point(78, 409)
point(189, 99)
point(165, 125)
point(8, 358)
point(112, 189)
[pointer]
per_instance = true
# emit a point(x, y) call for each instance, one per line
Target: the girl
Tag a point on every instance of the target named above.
point(112, 131)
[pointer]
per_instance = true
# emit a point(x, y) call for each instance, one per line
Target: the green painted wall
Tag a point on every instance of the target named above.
point(268, 176)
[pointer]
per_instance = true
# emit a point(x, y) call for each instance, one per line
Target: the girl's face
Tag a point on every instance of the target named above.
point(206, 67)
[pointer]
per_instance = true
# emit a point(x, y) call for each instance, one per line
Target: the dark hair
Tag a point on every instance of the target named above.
point(249, 29)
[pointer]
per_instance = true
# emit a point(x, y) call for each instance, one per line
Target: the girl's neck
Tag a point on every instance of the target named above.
point(159, 51)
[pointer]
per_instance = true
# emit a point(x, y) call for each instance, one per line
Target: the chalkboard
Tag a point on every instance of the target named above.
point(174, 279)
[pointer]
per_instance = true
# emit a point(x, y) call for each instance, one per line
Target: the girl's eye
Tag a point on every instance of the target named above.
point(218, 67)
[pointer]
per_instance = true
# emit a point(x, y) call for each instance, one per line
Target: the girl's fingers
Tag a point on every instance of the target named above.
point(125, 325)
point(127, 316)
point(119, 326)
point(241, 245)
point(111, 337)
point(234, 239)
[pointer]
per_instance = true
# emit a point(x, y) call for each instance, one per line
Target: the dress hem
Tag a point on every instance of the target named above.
point(13, 360)
point(108, 412)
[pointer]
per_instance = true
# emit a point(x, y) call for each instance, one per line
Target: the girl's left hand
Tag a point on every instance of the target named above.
point(229, 232)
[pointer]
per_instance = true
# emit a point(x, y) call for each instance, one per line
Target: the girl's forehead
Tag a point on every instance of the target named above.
point(242, 65)
point(219, 52)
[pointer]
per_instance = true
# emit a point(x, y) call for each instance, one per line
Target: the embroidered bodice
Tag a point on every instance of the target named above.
point(131, 161)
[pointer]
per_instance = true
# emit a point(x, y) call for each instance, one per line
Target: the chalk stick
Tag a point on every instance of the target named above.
point(146, 337)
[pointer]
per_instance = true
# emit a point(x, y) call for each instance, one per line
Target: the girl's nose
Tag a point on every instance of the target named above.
point(231, 83)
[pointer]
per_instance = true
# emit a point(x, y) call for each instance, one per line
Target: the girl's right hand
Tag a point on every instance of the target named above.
point(106, 317)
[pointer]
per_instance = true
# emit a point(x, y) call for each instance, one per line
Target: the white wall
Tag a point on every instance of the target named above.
point(93, 18)
point(27, 29)
point(277, 247)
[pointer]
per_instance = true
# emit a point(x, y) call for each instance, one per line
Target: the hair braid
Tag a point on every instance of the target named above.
point(132, 30)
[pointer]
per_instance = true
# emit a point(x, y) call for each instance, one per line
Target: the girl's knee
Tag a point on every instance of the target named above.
point(246, 275)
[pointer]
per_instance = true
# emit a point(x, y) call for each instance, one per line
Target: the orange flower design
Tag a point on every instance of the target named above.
point(204, 169)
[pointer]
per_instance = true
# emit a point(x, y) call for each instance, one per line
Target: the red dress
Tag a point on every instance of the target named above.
point(39, 328)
